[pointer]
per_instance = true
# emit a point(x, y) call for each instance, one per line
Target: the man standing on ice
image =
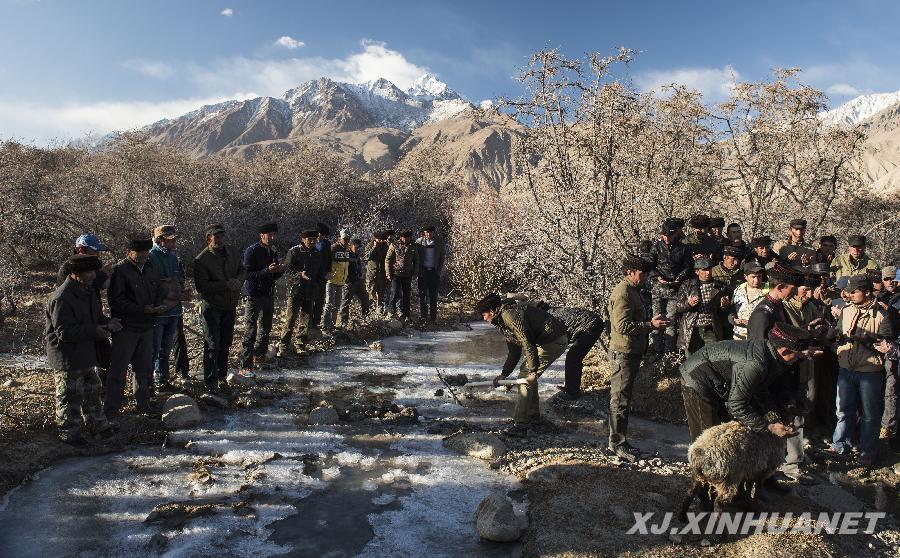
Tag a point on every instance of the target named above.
point(533, 331)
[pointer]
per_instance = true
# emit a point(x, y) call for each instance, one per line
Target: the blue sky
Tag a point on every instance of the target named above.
point(69, 67)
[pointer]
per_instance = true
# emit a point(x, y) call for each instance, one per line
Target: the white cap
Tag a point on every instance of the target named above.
point(345, 233)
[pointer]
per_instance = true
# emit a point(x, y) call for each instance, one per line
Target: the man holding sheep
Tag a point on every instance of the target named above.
point(741, 379)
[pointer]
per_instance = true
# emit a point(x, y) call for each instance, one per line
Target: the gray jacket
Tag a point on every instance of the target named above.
point(576, 320)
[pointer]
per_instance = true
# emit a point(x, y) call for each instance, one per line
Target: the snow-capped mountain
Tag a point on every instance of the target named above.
point(374, 125)
point(856, 110)
point(327, 104)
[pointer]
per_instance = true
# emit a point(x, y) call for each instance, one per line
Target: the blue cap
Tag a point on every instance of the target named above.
point(90, 241)
point(841, 283)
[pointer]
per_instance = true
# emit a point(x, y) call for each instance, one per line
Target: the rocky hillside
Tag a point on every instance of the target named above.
point(881, 157)
point(374, 125)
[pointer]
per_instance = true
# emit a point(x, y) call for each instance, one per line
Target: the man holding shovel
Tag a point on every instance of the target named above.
point(534, 332)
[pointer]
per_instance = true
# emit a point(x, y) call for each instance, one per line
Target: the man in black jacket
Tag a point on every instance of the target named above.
point(376, 281)
point(135, 297)
point(583, 329)
point(73, 324)
point(671, 263)
point(355, 287)
point(263, 270)
point(303, 265)
point(323, 247)
point(783, 282)
point(218, 275)
point(742, 379)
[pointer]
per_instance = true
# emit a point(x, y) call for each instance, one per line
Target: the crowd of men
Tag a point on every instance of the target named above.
point(146, 292)
point(780, 337)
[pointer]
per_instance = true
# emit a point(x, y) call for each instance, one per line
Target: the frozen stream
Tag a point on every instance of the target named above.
point(276, 488)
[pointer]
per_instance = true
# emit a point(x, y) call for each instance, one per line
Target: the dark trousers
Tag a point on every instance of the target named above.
point(701, 413)
point(165, 331)
point(889, 418)
point(580, 347)
point(664, 340)
point(134, 348)
point(355, 290)
point(401, 289)
point(318, 305)
point(625, 369)
point(826, 390)
point(258, 312)
point(428, 288)
point(218, 333)
point(180, 351)
point(376, 284)
point(298, 314)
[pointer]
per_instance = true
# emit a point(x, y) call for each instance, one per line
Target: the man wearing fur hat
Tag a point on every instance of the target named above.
point(629, 327)
point(532, 331)
point(376, 280)
point(73, 323)
point(783, 283)
point(700, 243)
point(135, 297)
point(729, 272)
point(263, 269)
point(741, 380)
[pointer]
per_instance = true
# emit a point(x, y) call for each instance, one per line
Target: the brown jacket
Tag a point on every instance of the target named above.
point(861, 327)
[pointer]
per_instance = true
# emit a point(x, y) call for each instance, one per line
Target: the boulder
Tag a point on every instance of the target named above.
point(322, 415)
point(12, 383)
point(376, 346)
point(482, 445)
point(495, 519)
point(180, 411)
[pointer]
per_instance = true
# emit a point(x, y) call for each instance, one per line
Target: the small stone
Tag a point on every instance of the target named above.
point(376, 346)
point(235, 379)
point(621, 514)
point(495, 519)
point(675, 538)
point(322, 415)
point(705, 542)
point(439, 392)
point(214, 400)
point(180, 411)
point(12, 383)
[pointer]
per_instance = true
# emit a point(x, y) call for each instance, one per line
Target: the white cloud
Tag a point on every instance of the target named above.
point(150, 68)
point(227, 12)
point(714, 83)
point(275, 76)
point(42, 123)
point(35, 121)
point(289, 42)
point(843, 90)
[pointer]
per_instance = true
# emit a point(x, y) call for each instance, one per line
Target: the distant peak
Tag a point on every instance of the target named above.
point(428, 85)
point(860, 108)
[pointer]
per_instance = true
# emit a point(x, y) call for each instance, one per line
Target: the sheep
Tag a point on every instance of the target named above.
point(726, 456)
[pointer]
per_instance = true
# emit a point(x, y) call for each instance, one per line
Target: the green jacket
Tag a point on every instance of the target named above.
point(629, 322)
point(526, 326)
point(211, 274)
point(847, 266)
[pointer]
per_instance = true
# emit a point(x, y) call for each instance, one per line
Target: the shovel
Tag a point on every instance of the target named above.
point(490, 383)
